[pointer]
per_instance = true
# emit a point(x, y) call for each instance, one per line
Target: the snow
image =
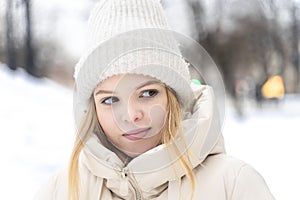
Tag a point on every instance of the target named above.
point(37, 134)
point(269, 141)
point(37, 128)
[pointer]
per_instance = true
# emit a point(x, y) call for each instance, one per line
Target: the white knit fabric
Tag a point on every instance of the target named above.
point(111, 17)
point(129, 36)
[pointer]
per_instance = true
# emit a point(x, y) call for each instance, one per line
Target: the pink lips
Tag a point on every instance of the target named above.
point(136, 134)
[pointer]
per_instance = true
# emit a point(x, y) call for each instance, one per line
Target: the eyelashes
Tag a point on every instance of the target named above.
point(145, 94)
point(109, 100)
point(149, 93)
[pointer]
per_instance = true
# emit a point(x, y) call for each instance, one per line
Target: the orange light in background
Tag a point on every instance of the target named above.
point(273, 88)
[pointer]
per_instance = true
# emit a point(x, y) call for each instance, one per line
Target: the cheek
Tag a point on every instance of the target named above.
point(106, 120)
point(157, 114)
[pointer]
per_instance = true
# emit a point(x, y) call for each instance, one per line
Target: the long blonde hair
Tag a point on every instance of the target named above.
point(171, 127)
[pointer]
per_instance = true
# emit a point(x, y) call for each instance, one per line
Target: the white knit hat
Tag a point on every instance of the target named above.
point(129, 36)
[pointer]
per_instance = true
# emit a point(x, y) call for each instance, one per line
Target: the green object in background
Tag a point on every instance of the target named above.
point(196, 81)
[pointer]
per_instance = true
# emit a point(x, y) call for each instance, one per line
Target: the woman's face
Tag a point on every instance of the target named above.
point(131, 110)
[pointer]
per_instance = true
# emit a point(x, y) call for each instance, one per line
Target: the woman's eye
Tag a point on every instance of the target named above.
point(109, 100)
point(149, 93)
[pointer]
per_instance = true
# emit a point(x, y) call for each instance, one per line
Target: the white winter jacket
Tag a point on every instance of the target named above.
point(152, 174)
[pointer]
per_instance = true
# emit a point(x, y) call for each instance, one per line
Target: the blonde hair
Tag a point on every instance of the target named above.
point(171, 127)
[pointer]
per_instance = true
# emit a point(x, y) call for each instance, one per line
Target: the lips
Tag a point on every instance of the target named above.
point(136, 134)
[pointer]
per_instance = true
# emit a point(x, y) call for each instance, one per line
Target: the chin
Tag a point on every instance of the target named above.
point(134, 154)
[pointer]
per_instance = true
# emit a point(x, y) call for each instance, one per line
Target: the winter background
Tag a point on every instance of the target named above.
point(36, 123)
point(37, 134)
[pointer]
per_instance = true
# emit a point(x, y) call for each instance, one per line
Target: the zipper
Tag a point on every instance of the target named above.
point(125, 180)
point(137, 193)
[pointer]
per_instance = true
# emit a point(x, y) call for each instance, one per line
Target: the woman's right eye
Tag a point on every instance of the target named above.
point(109, 100)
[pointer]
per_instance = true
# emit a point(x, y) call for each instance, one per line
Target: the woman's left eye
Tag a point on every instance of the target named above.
point(149, 93)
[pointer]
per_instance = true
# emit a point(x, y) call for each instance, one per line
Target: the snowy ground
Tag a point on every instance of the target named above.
point(36, 127)
point(36, 130)
point(268, 139)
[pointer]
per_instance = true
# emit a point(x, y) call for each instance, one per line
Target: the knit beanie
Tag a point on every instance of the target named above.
point(129, 36)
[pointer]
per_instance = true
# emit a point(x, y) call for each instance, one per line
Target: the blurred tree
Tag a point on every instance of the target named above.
point(19, 46)
point(30, 62)
point(10, 45)
point(199, 18)
point(295, 40)
point(278, 45)
point(246, 40)
point(32, 36)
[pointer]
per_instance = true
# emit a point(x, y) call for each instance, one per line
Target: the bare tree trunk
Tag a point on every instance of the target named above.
point(295, 41)
point(30, 64)
point(278, 44)
point(10, 46)
point(198, 11)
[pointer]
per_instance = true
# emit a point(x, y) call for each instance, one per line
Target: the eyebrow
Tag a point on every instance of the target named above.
point(148, 83)
point(138, 87)
point(104, 92)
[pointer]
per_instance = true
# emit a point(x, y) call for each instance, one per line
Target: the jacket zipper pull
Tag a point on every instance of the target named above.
point(124, 183)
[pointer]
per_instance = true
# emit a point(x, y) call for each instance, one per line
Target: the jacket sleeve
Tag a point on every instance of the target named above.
point(250, 185)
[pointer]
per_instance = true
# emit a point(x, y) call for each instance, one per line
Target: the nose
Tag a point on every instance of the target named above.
point(134, 113)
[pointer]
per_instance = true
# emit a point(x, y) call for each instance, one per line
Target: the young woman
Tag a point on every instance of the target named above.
point(143, 131)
